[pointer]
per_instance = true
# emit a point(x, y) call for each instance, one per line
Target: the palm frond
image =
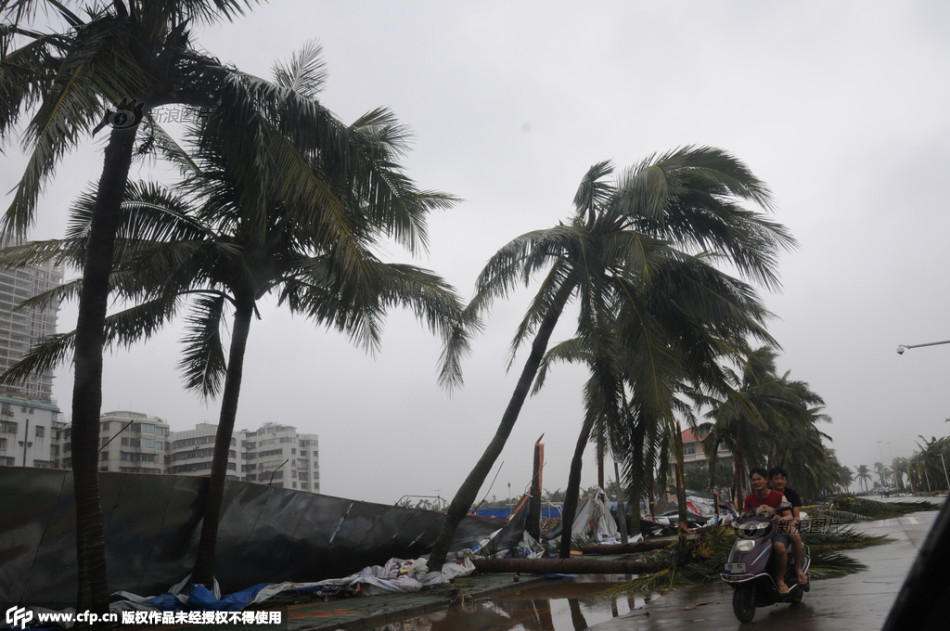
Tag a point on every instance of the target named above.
point(203, 363)
point(305, 72)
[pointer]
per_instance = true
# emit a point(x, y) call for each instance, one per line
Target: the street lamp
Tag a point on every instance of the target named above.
point(903, 347)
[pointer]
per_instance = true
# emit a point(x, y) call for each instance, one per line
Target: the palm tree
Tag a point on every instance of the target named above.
point(661, 210)
point(863, 475)
point(845, 478)
point(214, 239)
point(134, 55)
point(770, 419)
point(692, 312)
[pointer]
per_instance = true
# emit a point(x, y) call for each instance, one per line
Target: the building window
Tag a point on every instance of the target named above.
point(40, 431)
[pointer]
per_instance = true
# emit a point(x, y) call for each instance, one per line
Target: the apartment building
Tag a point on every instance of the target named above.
point(28, 414)
point(275, 455)
point(22, 327)
point(27, 432)
point(278, 456)
point(190, 452)
point(130, 442)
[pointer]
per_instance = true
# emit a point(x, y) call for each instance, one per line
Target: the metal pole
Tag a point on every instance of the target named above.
point(26, 439)
point(274, 472)
point(903, 347)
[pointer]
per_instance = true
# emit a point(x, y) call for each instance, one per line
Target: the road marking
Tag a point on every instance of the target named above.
point(912, 520)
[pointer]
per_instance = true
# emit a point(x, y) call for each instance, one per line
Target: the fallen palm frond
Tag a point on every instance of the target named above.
point(840, 539)
point(870, 509)
point(828, 564)
point(820, 516)
point(702, 559)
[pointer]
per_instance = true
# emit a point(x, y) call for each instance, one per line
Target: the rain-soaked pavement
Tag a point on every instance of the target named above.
point(858, 601)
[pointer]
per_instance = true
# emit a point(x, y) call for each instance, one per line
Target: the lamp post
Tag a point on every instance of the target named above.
point(900, 351)
point(903, 347)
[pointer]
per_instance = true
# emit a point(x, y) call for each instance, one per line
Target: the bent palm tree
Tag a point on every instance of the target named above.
point(129, 55)
point(663, 209)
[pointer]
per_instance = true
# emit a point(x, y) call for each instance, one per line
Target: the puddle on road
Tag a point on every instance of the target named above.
point(564, 605)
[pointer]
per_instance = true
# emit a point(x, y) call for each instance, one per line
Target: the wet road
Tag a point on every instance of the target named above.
point(858, 601)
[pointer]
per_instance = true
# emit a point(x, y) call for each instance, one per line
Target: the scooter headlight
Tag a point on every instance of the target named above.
point(745, 545)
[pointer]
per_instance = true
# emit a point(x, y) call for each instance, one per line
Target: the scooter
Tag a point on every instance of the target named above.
point(750, 568)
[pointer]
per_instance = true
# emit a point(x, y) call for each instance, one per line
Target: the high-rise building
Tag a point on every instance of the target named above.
point(28, 414)
point(21, 328)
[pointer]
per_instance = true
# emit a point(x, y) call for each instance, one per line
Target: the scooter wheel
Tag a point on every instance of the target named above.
point(797, 594)
point(743, 602)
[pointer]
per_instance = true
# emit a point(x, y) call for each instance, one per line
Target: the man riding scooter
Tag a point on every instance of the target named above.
point(765, 502)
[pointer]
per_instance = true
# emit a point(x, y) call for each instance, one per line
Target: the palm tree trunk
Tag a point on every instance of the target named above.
point(214, 497)
point(680, 477)
point(93, 594)
point(737, 497)
point(573, 489)
point(638, 473)
point(468, 491)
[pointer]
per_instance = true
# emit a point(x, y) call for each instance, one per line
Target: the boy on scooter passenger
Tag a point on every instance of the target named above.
point(779, 479)
point(765, 502)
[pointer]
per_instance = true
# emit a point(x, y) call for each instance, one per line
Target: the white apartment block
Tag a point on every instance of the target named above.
point(190, 452)
point(275, 455)
point(27, 432)
point(278, 456)
point(130, 442)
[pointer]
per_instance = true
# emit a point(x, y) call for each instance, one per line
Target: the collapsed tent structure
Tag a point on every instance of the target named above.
point(267, 535)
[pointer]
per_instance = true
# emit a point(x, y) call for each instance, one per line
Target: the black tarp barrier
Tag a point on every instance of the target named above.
point(267, 534)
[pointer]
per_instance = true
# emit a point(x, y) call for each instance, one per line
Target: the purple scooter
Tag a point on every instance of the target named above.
point(749, 569)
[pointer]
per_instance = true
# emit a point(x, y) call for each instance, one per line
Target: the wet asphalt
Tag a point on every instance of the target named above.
point(858, 601)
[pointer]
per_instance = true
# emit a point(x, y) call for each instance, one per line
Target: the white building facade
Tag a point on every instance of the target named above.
point(190, 452)
point(27, 432)
point(278, 456)
point(130, 442)
point(275, 455)
point(22, 327)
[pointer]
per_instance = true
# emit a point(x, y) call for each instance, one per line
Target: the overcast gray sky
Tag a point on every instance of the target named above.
point(840, 107)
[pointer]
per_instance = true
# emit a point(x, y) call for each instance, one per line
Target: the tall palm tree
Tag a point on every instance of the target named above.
point(667, 207)
point(231, 244)
point(132, 56)
point(863, 475)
